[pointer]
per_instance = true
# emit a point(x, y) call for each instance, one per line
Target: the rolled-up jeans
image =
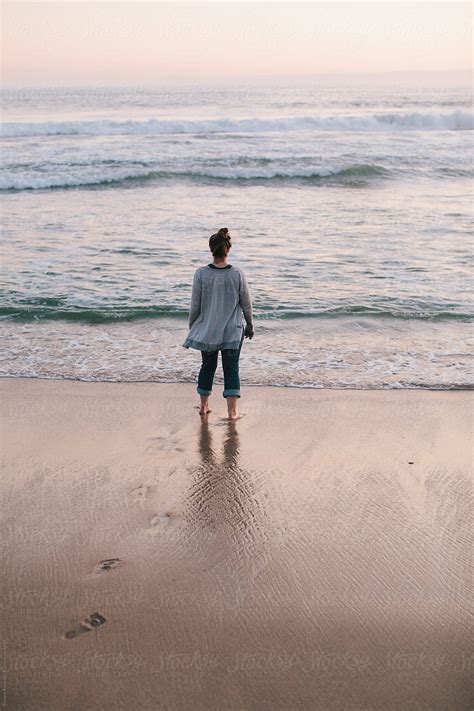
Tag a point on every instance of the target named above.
point(230, 365)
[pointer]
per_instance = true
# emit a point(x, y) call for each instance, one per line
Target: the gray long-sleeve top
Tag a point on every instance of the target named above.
point(219, 296)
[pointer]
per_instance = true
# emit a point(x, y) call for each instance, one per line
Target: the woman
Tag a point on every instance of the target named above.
point(220, 294)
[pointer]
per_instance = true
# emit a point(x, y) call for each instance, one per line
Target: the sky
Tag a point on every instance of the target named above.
point(110, 42)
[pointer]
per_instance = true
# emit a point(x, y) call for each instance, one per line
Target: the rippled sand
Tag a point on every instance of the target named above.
point(312, 555)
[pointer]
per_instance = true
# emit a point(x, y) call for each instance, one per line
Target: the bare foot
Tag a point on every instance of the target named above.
point(203, 411)
point(235, 416)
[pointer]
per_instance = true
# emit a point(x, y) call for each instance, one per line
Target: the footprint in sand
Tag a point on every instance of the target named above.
point(160, 518)
point(140, 493)
point(87, 625)
point(105, 565)
point(164, 444)
point(164, 523)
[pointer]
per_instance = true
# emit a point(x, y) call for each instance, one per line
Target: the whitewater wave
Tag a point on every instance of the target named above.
point(94, 176)
point(414, 121)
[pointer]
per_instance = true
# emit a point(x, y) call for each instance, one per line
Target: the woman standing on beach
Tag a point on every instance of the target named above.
point(220, 294)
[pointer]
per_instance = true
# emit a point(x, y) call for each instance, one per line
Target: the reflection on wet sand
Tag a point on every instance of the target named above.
point(222, 498)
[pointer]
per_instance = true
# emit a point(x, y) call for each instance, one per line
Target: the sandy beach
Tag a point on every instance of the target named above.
point(312, 555)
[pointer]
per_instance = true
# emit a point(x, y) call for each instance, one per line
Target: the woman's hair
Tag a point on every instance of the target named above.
point(220, 243)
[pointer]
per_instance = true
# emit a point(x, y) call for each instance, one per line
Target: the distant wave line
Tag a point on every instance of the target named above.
point(458, 119)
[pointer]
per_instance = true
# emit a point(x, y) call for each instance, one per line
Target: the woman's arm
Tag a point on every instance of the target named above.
point(245, 300)
point(195, 308)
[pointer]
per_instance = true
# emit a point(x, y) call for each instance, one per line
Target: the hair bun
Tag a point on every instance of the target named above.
point(220, 242)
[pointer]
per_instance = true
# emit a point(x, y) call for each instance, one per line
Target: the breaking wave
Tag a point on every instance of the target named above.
point(64, 176)
point(51, 309)
point(413, 121)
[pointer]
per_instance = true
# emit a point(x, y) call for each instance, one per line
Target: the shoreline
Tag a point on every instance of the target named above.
point(313, 554)
point(422, 388)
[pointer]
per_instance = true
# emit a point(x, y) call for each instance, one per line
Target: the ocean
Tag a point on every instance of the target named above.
point(350, 209)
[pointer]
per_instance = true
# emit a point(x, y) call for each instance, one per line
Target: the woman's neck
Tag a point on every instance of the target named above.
point(220, 264)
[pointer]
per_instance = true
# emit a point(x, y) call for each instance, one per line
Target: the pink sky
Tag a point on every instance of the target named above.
point(142, 42)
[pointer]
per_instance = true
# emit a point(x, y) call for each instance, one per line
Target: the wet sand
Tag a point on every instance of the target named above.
point(312, 555)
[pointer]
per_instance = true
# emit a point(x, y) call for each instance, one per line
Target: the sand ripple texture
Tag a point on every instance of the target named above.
point(312, 555)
